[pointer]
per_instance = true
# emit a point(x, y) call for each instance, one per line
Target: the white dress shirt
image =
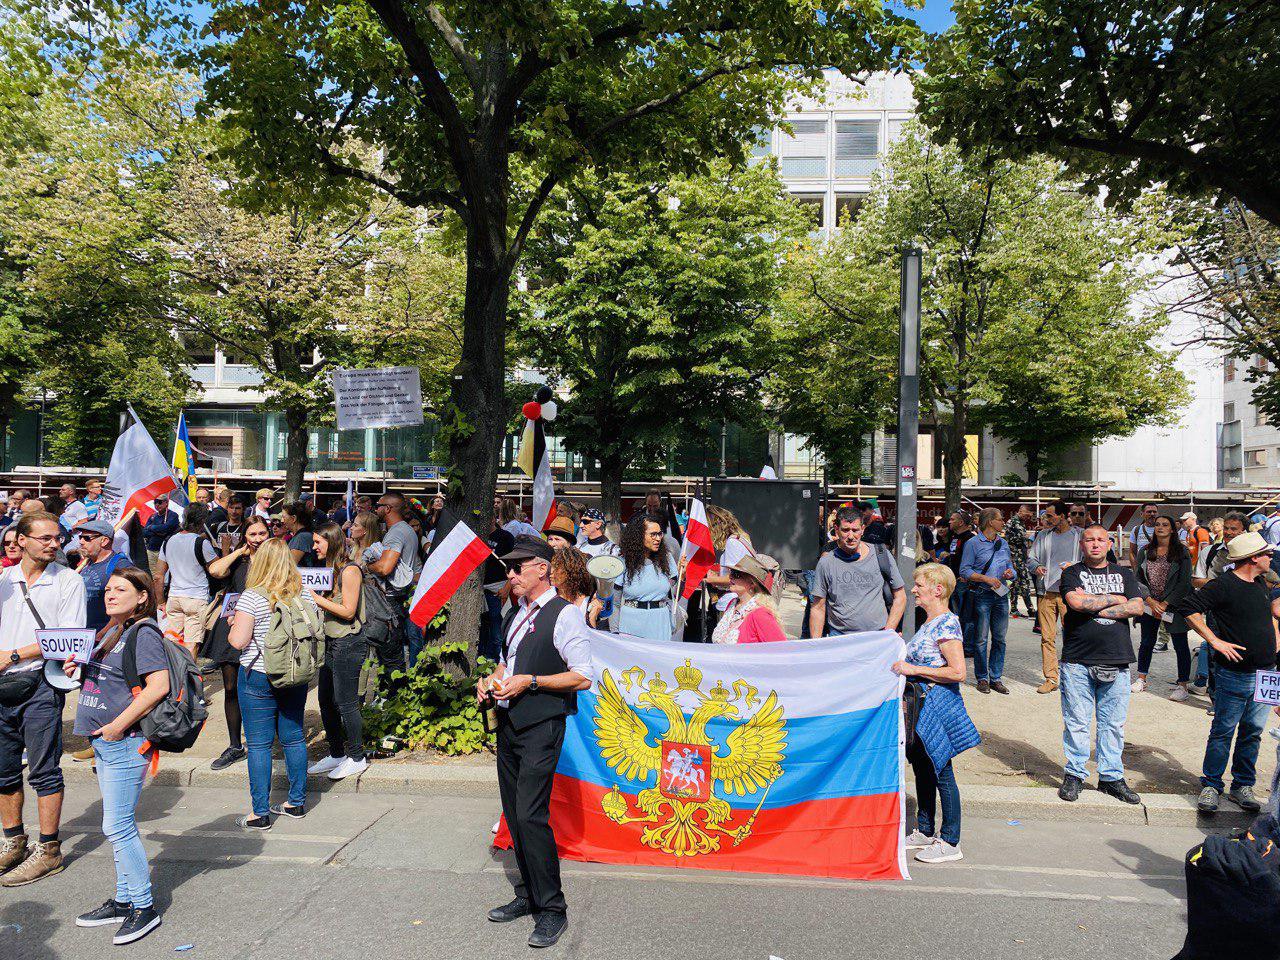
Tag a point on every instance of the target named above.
point(59, 596)
point(571, 635)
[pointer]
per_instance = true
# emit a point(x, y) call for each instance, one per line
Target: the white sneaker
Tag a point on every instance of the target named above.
point(918, 841)
point(1200, 690)
point(1179, 694)
point(1138, 685)
point(939, 852)
point(325, 765)
point(347, 768)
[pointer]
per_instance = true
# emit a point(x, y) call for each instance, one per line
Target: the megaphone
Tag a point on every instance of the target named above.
point(606, 569)
point(58, 678)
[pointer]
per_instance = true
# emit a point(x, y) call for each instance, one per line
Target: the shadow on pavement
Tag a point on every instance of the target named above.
point(1018, 756)
point(1157, 870)
point(26, 927)
point(170, 870)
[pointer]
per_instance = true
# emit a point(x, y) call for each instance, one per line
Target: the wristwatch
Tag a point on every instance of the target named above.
point(533, 684)
point(14, 658)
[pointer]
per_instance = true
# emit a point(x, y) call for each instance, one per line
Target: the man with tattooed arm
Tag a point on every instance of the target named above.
point(1096, 652)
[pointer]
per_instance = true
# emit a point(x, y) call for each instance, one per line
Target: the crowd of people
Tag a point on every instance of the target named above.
point(223, 579)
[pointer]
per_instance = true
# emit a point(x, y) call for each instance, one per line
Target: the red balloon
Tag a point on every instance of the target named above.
point(532, 410)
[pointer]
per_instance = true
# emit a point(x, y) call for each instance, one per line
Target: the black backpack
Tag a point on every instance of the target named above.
point(176, 721)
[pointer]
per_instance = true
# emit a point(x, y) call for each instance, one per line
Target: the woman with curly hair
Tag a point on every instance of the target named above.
point(574, 583)
point(646, 582)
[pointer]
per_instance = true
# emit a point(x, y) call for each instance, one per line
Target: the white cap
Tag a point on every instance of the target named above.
point(1187, 516)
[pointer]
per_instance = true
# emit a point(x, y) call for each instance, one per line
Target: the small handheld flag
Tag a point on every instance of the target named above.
point(455, 553)
point(699, 549)
point(184, 458)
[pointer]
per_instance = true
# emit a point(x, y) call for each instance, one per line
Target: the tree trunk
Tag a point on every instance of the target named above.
point(479, 410)
point(297, 438)
point(953, 454)
point(611, 487)
point(1033, 467)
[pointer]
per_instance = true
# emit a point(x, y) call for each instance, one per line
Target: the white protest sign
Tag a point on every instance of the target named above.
point(1266, 687)
point(229, 602)
point(378, 397)
point(319, 579)
point(66, 643)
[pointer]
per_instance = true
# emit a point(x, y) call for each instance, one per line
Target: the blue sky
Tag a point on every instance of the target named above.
point(935, 17)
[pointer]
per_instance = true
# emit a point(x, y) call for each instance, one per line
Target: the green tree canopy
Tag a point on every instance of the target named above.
point(1022, 276)
point(650, 305)
point(1127, 92)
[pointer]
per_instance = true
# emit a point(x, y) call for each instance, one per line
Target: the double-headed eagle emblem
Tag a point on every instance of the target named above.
point(687, 762)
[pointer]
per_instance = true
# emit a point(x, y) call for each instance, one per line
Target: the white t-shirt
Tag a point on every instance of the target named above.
point(186, 578)
point(259, 607)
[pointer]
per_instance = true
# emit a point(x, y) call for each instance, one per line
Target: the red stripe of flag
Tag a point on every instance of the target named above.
point(698, 549)
point(448, 565)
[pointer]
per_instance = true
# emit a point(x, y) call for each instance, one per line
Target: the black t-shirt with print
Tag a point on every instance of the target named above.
point(1086, 637)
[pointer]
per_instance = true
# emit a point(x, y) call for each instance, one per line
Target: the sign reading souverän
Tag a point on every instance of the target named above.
point(66, 643)
point(378, 397)
point(319, 579)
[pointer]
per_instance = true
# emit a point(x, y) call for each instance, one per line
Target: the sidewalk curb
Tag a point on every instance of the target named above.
point(465, 780)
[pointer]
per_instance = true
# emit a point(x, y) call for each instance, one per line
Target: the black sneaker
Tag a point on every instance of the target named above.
point(1119, 789)
point(229, 756)
point(284, 810)
point(549, 928)
point(255, 823)
point(1070, 789)
point(110, 912)
point(139, 923)
point(517, 908)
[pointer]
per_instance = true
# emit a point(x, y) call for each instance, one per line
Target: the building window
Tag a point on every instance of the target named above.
point(893, 130)
point(847, 208)
point(1260, 419)
point(1228, 412)
point(857, 147)
point(1255, 458)
point(814, 205)
point(804, 151)
point(1230, 369)
point(761, 143)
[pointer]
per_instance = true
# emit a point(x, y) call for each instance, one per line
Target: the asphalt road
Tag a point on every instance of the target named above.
point(391, 877)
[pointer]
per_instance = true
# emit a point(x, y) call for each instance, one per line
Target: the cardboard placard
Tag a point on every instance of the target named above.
point(1266, 687)
point(319, 579)
point(66, 643)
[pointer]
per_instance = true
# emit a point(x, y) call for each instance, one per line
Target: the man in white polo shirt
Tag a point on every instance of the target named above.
point(35, 593)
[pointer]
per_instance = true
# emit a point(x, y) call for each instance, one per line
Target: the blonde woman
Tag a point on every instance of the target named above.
point(269, 711)
point(366, 536)
point(752, 616)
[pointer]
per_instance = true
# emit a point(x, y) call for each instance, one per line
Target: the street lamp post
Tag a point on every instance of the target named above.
point(908, 423)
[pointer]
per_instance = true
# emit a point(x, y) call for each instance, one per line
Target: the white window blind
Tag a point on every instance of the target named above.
point(804, 152)
point(857, 147)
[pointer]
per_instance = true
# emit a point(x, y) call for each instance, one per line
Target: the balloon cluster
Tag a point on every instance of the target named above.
point(541, 407)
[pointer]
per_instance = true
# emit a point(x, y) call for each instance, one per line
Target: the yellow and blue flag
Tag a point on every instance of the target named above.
point(184, 459)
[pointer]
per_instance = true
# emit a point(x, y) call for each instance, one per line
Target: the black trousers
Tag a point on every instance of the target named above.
point(526, 767)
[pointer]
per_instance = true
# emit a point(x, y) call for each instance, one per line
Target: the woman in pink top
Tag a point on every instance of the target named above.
point(752, 616)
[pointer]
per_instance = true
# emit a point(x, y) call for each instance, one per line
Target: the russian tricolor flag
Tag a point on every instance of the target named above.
point(783, 758)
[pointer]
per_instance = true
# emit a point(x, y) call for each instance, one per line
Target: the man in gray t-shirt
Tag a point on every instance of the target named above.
point(399, 565)
point(848, 585)
point(1054, 550)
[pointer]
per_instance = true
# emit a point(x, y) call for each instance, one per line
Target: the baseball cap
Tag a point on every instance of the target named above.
point(529, 548)
point(1187, 516)
point(96, 528)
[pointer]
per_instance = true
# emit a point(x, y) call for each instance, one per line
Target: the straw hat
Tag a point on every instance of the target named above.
point(1245, 546)
point(752, 567)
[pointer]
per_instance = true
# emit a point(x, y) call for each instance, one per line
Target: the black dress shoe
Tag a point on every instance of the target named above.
point(517, 908)
point(549, 928)
point(1070, 789)
point(1119, 789)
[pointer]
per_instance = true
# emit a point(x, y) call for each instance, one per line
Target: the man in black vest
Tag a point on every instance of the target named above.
point(546, 659)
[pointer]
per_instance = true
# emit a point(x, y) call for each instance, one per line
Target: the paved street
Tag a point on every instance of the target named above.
point(397, 877)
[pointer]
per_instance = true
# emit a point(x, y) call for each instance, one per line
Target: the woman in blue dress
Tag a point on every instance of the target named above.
point(646, 582)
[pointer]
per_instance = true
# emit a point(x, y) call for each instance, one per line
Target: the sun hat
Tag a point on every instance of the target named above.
point(752, 567)
point(1245, 546)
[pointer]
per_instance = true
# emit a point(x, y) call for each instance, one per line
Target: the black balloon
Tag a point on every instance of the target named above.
point(544, 394)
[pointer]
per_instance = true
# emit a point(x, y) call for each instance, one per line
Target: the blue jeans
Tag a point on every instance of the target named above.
point(931, 783)
point(1234, 713)
point(491, 627)
point(1083, 700)
point(1202, 664)
point(270, 713)
point(121, 772)
point(990, 618)
point(807, 576)
point(417, 640)
point(964, 610)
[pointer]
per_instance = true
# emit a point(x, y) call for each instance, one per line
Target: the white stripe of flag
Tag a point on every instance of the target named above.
point(448, 565)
